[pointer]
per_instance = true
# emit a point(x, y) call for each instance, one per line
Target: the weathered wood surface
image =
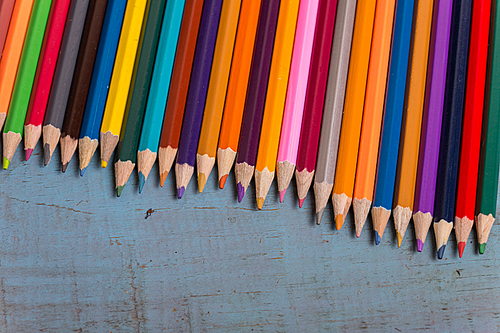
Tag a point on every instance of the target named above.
point(74, 257)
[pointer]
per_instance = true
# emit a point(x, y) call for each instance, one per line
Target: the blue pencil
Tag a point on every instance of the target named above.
point(99, 85)
point(449, 151)
point(198, 87)
point(160, 85)
point(391, 129)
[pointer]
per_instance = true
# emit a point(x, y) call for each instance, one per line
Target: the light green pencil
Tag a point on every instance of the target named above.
point(14, 124)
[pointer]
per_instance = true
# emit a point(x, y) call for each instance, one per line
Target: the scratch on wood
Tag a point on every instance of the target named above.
point(48, 205)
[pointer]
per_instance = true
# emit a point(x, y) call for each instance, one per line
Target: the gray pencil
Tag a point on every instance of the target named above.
point(334, 105)
point(63, 77)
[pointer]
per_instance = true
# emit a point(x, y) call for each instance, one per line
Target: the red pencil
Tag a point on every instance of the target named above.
point(41, 88)
point(6, 8)
point(473, 116)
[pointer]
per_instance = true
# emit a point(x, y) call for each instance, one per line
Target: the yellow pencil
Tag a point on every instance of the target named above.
point(217, 87)
point(275, 99)
point(114, 111)
point(404, 190)
point(353, 110)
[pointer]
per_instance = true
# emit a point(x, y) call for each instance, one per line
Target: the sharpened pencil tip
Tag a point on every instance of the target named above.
point(260, 203)
point(378, 239)
point(46, 154)
point(82, 172)
point(104, 164)
point(64, 167)
point(202, 180)
point(119, 190)
point(400, 238)
point(163, 178)
point(222, 182)
point(301, 202)
point(29, 151)
point(6, 163)
point(461, 248)
point(339, 221)
point(180, 192)
point(142, 182)
point(482, 247)
point(241, 192)
point(441, 252)
point(420, 245)
point(282, 195)
point(319, 216)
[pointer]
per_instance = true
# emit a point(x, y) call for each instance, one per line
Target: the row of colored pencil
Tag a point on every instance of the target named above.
point(381, 103)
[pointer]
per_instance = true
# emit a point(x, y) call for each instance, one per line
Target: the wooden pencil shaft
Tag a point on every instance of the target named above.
point(6, 8)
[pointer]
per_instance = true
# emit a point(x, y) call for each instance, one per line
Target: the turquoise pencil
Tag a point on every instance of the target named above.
point(158, 92)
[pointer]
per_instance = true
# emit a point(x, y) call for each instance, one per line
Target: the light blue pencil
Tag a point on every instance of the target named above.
point(158, 92)
point(98, 92)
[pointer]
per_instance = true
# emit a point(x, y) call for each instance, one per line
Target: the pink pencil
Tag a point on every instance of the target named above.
point(296, 94)
point(6, 8)
point(43, 80)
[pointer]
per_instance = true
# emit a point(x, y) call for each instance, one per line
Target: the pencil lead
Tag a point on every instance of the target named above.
point(82, 172)
point(241, 192)
point(461, 247)
point(222, 181)
point(29, 151)
point(104, 164)
point(301, 202)
point(378, 239)
point(201, 182)
point(46, 154)
point(6, 163)
point(119, 190)
point(339, 221)
point(142, 182)
point(260, 203)
point(319, 216)
point(400, 238)
point(282, 195)
point(163, 178)
point(180, 192)
point(420, 245)
point(482, 247)
point(64, 167)
point(441, 252)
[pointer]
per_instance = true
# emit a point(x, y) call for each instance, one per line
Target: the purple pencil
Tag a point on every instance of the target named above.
point(197, 94)
point(256, 95)
point(431, 125)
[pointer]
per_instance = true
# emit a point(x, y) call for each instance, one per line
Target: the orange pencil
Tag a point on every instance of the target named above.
point(373, 112)
point(12, 53)
point(237, 88)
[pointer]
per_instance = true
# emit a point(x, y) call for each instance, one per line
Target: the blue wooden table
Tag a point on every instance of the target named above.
point(74, 257)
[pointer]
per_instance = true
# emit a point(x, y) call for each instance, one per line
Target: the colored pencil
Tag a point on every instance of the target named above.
point(406, 175)
point(315, 98)
point(296, 94)
point(275, 99)
point(81, 81)
point(42, 84)
point(490, 146)
point(425, 188)
point(114, 111)
point(153, 82)
point(13, 130)
point(217, 88)
point(197, 93)
point(391, 123)
point(334, 105)
point(353, 110)
point(373, 112)
point(471, 130)
point(12, 53)
point(6, 9)
point(99, 85)
point(449, 151)
point(256, 94)
point(63, 76)
point(237, 88)
point(181, 74)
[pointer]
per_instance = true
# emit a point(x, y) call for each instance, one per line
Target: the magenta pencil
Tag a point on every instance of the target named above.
point(425, 190)
point(296, 94)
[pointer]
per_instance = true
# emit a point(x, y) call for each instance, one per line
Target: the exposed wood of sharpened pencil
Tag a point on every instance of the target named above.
point(334, 105)
point(275, 99)
point(181, 74)
point(412, 119)
point(373, 112)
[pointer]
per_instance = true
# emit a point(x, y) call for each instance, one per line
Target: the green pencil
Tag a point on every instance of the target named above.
point(490, 143)
point(14, 124)
point(136, 104)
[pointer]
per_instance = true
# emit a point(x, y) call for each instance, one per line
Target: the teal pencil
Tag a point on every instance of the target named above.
point(14, 124)
point(158, 92)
